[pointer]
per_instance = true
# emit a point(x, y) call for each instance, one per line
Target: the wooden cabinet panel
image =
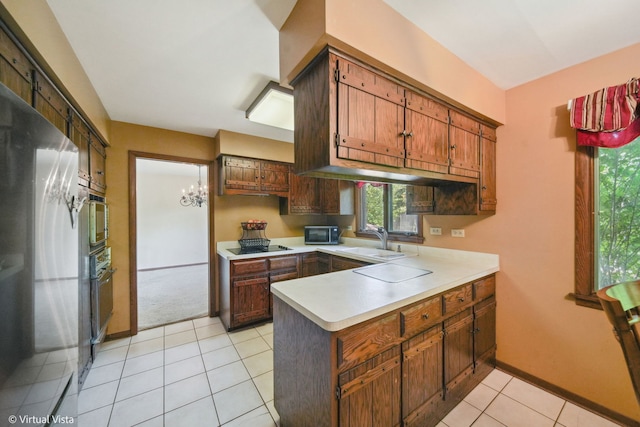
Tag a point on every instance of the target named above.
point(484, 288)
point(315, 263)
point(369, 394)
point(488, 198)
point(250, 266)
point(79, 135)
point(250, 299)
point(274, 178)
point(363, 343)
point(458, 349)
point(15, 69)
point(420, 199)
point(422, 378)
point(283, 262)
point(239, 175)
point(456, 299)
point(420, 316)
point(339, 263)
point(51, 104)
point(305, 196)
point(97, 164)
point(464, 145)
point(337, 197)
point(427, 140)
point(485, 331)
point(370, 116)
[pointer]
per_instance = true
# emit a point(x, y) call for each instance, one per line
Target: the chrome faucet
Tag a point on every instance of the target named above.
point(382, 235)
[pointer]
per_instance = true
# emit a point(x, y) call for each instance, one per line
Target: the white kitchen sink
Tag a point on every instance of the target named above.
point(373, 252)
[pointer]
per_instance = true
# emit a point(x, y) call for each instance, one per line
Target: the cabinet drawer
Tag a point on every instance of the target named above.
point(361, 344)
point(458, 298)
point(278, 263)
point(420, 317)
point(484, 288)
point(251, 266)
point(287, 275)
point(340, 263)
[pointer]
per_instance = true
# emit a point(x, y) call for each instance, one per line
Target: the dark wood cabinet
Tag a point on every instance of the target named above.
point(464, 145)
point(339, 263)
point(420, 199)
point(314, 263)
point(370, 113)
point(359, 122)
point(246, 293)
point(246, 176)
point(427, 136)
point(488, 198)
point(16, 72)
point(370, 394)
point(79, 135)
point(407, 367)
point(422, 373)
point(50, 103)
point(305, 196)
point(97, 164)
point(318, 196)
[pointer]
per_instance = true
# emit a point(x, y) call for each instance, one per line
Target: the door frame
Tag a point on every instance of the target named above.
point(133, 231)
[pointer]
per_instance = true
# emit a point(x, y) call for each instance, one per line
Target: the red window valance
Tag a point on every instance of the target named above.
point(608, 117)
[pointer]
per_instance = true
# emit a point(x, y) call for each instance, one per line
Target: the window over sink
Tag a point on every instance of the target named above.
point(385, 205)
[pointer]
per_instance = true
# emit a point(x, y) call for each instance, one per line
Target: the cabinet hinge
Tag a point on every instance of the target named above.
point(336, 74)
point(337, 141)
point(338, 392)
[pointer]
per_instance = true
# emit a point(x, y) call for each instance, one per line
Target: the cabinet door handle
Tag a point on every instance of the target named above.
point(453, 147)
point(461, 299)
point(410, 134)
point(425, 316)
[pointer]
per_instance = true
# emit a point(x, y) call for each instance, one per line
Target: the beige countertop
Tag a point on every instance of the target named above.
point(335, 301)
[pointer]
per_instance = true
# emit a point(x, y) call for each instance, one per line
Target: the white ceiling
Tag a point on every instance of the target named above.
point(196, 65)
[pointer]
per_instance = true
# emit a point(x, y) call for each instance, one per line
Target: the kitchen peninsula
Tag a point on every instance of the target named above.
point(401, 341)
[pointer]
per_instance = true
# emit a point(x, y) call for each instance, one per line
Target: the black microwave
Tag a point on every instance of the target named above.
point(321, 235)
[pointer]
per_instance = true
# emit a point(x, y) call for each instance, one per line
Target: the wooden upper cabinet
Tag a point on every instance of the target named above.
point(97, 164)
point(274, 177)
point(79, 135)
point(240, 175)
point(370, 116)
point(338, 197)
point(464, 145)
point(51, 104)
point(427, 140)
point(420, 199)
point(305, 196)
point(488, 199)
point(15, 69)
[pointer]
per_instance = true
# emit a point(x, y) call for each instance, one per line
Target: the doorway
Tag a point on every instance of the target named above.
point(170, 242)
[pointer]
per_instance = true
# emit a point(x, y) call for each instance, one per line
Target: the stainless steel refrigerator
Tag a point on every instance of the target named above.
point(39, 268)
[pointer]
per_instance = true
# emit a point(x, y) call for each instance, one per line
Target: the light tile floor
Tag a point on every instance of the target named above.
point(193, 373)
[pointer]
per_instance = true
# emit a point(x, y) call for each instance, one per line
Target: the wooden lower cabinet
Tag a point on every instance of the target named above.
point(245, 287)
point(339, 263)
point(422, 373)
point(314, 263)
point(409, 367)
point(370, 393)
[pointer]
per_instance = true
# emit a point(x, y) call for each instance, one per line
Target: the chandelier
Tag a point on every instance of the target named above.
point(195, 198)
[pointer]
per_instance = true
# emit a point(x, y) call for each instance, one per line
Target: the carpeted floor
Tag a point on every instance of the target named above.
point(172, 294)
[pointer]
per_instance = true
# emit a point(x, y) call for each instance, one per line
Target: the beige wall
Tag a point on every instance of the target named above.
point(36, 20)
point(540, 330)
point(127, 137)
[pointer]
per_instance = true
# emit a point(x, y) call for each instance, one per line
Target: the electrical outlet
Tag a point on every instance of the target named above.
point(459, 232)
point(435, 231)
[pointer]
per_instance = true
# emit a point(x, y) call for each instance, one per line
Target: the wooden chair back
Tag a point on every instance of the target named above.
point(621, 303)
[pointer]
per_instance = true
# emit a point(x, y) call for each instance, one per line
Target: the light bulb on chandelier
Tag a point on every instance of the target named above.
point(195, 198)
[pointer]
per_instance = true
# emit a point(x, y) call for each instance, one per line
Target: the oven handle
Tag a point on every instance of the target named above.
point(106, 276)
